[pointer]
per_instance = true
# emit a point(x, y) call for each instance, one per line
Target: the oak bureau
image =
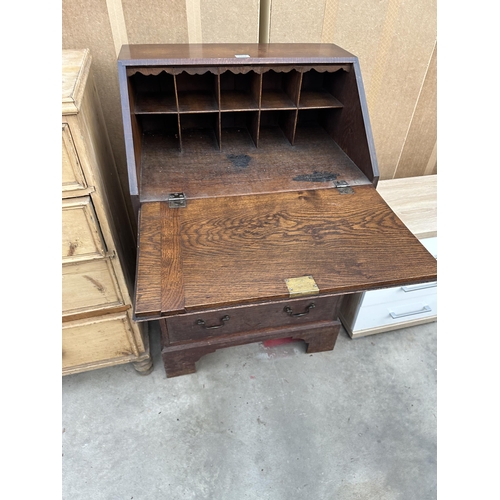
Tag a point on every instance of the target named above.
point(252, 172)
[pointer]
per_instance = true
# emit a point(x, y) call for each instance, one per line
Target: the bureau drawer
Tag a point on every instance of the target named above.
point(230, 320)
point(380, 315)
point(90, 285)
point(98, 339)
point(81, 235)
point(72, 173)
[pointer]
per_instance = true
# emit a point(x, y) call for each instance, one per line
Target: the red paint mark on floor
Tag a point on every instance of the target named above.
point(275, 342)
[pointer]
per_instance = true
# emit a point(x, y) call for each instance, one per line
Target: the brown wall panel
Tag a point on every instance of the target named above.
point(296, 22)
point(402, 59)
point(345, 21)
point(153, 21)
point(235, 21)
point(419, 152)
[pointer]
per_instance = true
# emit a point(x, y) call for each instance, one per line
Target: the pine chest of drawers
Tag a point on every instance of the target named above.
point(253, 173)
point(98, 245)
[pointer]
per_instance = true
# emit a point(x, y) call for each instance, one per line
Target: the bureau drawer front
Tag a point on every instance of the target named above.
point(88, 286)
point(227, 321)
point(379, 315)
point(81, 235)
point(97, 339)
point(72, 173)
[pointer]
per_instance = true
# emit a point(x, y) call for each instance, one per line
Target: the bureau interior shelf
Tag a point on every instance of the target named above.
point(275, 126)
point(209, 131)
point(239, 91)
point(214, 89)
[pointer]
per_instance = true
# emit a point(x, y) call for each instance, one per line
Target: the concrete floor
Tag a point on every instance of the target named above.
point(358, 422)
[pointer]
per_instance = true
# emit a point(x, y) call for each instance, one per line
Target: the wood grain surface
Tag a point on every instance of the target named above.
point(148, 276)
point(414, 200)
point(172, 279)
point(197, 53)
point(238, 250)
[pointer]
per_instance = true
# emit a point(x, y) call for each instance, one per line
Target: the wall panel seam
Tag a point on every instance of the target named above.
point(432, 161)
point(414, 109)
point(264, 24)
point(328, 30)
point(193, 12)
point(382, 53)
point(117, 23)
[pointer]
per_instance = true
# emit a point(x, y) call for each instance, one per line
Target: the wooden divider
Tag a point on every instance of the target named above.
point(219, 99)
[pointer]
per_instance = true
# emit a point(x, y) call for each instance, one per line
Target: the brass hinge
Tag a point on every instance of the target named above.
point(177, 200)
point(343, 187)
point(302, 286)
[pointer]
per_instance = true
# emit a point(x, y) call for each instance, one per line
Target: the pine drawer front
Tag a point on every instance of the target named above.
point(102, 338)
point(81, 235)
point(88, 286)
point(231, 320)
point(72, 173)
point(380, 315)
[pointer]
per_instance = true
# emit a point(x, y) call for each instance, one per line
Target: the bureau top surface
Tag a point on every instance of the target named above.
point(230, 53)
point(241, 249)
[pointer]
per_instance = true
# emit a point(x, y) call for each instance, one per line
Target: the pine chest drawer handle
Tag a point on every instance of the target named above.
point(290, 312)
point(224, 319)
point(402, 315)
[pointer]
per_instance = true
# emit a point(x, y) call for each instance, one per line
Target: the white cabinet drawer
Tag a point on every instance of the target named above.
point(385, 314)
point(396, 294)
point(431, 245)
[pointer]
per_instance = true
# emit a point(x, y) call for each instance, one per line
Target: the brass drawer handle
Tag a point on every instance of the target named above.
point(290, 312)
point(223, 322)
